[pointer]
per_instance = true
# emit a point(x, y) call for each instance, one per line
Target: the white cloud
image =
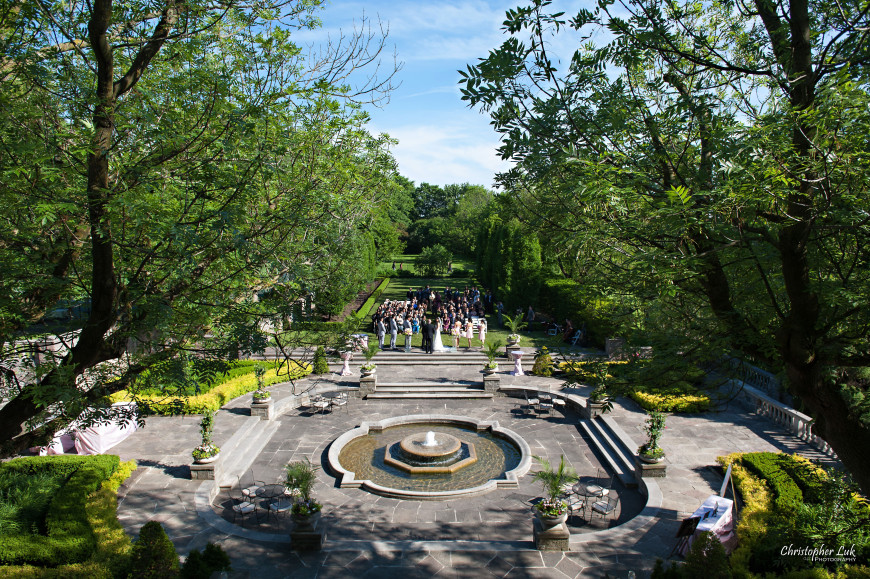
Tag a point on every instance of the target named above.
point(446, 153)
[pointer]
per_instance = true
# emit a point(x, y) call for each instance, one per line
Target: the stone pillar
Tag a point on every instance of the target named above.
point(592, 409)
point(552, 539)
point(649, 470)
point(262, 408)
point(613, 347)
point(509, 348)
point(491, 383)
point(367, 385)
point(206, 471)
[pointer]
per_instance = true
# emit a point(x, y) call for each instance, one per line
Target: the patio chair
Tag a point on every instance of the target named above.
point(607, 507)
point(251, 487)
point(340, 400)
point(242, 507)
point(531, 403)
point(577, 335)
point(280, 507)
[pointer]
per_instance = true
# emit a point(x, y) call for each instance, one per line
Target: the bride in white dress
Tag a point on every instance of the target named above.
point(437, 344)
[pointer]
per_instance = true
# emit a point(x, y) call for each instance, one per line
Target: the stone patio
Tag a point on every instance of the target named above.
point(490, 535)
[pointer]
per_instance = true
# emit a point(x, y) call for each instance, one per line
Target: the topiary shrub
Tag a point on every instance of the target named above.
point(201, 565)
point(707, 558)
point(321, 366)
point(154, 555)
point(543, 363)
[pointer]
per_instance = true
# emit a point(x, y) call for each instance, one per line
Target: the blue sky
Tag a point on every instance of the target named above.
point(441, 140)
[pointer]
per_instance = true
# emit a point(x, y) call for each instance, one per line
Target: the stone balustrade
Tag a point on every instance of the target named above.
point(796, 422)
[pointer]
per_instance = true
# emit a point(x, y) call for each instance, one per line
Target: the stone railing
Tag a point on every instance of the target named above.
point(759, 379)
point(796, 422)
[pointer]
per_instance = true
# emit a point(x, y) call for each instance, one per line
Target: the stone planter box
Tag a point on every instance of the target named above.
point(649, 470)
point(552, 539)
point(263, 408)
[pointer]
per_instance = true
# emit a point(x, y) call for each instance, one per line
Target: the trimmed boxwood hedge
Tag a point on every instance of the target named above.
point(70, 538)
point(769, 466)
point(111, 555)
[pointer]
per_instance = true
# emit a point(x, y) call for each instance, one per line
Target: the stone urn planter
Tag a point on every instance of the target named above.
point(367, 371)
point(651, 459)
point(513, 339)
point(489, 371)
point(548, 522)
point(207, 459)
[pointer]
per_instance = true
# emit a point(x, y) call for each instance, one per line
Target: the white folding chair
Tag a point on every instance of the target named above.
point(576, 337)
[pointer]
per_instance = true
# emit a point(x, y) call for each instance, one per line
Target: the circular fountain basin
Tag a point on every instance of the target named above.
point(391, 457)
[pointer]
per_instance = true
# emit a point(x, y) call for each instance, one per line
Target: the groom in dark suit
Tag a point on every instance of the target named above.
point(428, 331)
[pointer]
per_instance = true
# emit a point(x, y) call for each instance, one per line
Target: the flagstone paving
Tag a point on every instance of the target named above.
point(491, 535)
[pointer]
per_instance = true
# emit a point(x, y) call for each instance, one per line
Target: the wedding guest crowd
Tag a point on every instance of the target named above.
point(452, 309)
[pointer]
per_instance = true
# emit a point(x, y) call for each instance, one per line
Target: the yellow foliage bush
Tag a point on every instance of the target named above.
point(212, 400)
point(668, 401)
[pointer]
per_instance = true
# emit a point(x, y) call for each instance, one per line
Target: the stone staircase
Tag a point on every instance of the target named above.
point(614, 445)
point(417, 375)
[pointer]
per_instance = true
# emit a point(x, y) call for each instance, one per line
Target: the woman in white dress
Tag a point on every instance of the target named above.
point(481, 323)
point(437, 344)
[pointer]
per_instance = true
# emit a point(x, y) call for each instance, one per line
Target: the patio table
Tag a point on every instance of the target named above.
point(716, 514)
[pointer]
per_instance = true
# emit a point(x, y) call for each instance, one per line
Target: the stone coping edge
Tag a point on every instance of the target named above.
point(348, 479)
point(644, 519)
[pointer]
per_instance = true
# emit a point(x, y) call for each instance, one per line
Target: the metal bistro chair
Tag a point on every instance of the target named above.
point(606, 507)
point(531, 403)
point(340, 400)
point(576, 337)
point(545, 403)
point(242, 507)
point(249, 491)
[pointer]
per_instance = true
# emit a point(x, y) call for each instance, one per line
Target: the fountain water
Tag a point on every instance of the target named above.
point(430, 439)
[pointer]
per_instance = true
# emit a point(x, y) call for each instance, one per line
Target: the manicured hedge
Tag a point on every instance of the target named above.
point(217, 396)
point(111, 554)
point(367, 306)
point(70, 538)
point(768, 466)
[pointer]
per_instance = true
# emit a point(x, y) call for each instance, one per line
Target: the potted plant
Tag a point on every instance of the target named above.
point(368, 368)
point(552, 511)
point(207, 451)
point(543, 363)
point(299, 479)
point(492, 352)
point(514, 324)
point(261, 394)
point(650, 451)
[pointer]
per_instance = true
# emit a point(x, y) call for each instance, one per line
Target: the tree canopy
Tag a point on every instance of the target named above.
point(705, 165)
point(162, 162)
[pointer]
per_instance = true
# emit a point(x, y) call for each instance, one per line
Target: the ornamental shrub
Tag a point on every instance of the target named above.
point(707, 558)
point(321, 366)
point(154, 555)
point(201, 565)
point(217, 396)
point(543, 363)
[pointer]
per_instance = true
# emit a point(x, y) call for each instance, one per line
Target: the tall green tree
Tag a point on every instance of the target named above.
point(707, 160)
point(161, 162)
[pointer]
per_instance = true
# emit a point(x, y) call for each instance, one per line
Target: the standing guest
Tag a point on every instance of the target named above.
point(457, 330)
point(381, 331)
point(415, 324)
point(481, 334)
point(394, 330)
point(406, 329)
point(499, 309)
point(469, 332)
point(530, 315)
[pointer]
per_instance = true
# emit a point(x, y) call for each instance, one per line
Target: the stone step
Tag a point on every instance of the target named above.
point(396, 395)
point(452, 384)
point(610, 451)
point(242, 456)
point(432, 360)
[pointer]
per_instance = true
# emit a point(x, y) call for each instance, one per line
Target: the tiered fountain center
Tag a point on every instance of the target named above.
point(428, 453)
point(429, 457)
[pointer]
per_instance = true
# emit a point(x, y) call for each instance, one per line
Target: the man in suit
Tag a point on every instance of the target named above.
point(428, 331)
point(381, 331)
point(394, 330)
